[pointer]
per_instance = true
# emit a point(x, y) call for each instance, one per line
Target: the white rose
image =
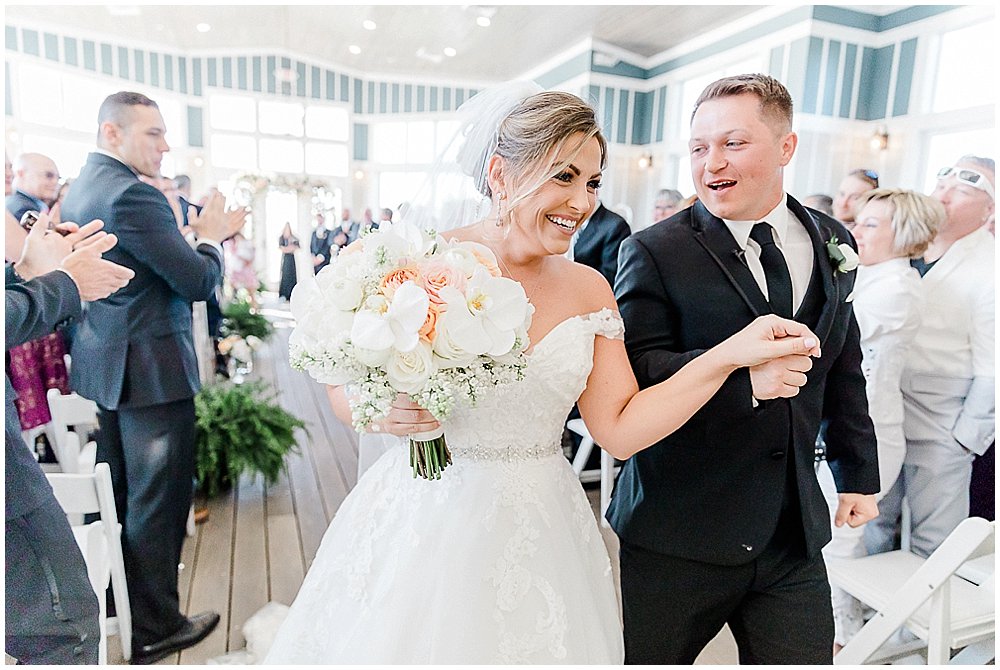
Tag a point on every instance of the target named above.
point(445, 346)
point(408, 371)
point(850, 258)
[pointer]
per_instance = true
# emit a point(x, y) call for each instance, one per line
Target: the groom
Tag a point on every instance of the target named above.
point(723, 521)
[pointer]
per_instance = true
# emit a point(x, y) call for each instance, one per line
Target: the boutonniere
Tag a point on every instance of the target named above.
point(842, 256)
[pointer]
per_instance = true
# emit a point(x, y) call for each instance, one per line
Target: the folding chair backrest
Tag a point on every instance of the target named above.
point(70, 410)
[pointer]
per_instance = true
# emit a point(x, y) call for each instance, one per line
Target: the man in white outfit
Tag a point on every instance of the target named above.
point(948, 383)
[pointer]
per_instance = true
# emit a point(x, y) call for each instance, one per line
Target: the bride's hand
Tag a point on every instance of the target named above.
point(404, 418)
point(767, 338)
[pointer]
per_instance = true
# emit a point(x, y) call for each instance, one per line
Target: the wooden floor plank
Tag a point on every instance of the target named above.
point(210, 578)
point(249, 577)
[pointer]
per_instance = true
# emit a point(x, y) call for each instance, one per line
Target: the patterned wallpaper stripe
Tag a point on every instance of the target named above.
point(823, 75)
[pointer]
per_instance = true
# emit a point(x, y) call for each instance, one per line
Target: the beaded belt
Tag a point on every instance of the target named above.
point(505, 454)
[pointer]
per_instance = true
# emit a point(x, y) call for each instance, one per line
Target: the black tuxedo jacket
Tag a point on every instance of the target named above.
point(713, 490)
point(32, 309)
point(135, 348)
point(17, 203)
point(597, 244)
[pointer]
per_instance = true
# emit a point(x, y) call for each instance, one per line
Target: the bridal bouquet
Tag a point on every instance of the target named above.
point(403, 311)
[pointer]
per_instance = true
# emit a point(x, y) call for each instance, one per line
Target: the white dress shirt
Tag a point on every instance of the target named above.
point(792, 240)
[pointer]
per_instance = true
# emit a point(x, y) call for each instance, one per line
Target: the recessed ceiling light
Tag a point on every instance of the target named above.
point(484, 21)
point(368, 24)
point(354, 49)
point(203, 27)
point(449, 52)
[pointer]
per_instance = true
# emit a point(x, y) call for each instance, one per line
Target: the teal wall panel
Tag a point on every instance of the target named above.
point(847, 81)
point(196, 126)
point(810, 87)
point(51, 47)
point(873, 89)
point(830, 80)
point(360, 141)
point(904, 77)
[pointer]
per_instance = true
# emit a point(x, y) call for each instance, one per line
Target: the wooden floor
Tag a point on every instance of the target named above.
point(259, 540)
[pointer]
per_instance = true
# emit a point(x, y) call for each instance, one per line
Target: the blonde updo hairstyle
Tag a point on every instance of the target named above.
point(916, 218)
point(541, 125)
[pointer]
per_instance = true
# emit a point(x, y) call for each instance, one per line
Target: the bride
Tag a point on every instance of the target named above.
point(501, 560)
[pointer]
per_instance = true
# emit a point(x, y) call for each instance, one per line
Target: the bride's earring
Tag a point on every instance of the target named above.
point(499, 221)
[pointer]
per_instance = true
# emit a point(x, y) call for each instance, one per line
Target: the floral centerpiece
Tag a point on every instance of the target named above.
point(404, 311)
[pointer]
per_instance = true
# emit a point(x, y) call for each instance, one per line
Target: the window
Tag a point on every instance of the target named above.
point(41, 95)
point(281, 155)
point(326, 159)
point(327, 123)
point(389, 143)
point(226, 112)
point(69, 156)
point(281, 118)
point(87, 95)
point(234, 151)
point(966, 55)
point(398, 187)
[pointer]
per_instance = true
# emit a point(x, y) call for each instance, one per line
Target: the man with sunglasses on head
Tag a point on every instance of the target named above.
point(948, 383)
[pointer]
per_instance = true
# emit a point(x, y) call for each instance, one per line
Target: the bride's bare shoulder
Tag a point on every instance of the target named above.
point(585, 284)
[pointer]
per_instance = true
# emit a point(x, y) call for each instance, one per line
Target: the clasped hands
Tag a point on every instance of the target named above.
point(778, 353)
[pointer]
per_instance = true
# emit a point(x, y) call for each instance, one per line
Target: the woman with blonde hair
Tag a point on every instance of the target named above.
point(501, 560)
point(891, 226)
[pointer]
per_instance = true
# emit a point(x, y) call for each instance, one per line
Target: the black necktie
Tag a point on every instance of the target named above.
point(779, 282)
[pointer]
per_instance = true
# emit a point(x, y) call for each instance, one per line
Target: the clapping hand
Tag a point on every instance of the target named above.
point(404, 418)
point(215, 223)
point(95, 277)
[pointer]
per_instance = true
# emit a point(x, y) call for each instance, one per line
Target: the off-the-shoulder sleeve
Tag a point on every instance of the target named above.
point(606, 323)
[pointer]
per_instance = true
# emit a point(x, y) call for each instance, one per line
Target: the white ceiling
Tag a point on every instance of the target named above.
point(409, 39)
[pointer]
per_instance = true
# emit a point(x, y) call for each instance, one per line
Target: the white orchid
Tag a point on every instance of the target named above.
point(317, 317)
point(381, 325)
point(485, 319)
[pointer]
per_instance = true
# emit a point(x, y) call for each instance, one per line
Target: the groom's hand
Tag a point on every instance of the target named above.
point(855, 509)
point(780, 378)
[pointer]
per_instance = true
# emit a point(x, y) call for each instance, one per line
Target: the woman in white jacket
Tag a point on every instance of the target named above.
point(891, 227)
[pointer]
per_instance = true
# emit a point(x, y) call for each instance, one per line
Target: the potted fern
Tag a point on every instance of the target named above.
point(240, 429)
point(240, 318)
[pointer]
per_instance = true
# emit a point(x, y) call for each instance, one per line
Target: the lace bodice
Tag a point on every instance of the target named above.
point(525, 420)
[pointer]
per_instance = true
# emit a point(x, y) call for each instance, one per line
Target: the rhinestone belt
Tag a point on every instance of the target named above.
point(505, 454)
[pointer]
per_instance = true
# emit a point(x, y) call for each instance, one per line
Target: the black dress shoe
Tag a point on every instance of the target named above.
point(191, 633)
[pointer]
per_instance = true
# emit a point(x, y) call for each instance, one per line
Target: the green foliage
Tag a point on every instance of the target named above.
point(240, 429)
point(240, 318)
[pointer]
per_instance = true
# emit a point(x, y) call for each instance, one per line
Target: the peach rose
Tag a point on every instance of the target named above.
point(488, 261)
point(428, 331)
point(437, 275)
point(397, 278)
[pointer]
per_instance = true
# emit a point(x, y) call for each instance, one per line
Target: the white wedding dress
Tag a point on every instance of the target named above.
point(499, 561)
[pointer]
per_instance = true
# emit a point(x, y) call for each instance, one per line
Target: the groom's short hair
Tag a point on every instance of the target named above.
point(775, 101)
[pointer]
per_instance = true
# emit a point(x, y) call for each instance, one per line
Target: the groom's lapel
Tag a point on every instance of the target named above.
point(820, 233)
point(712, 234)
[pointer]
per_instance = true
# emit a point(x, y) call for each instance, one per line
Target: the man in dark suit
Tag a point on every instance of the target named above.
point(50, 608)
point(596, 244)
point(321, 244)
point(36, 183)
point(143, 373)
point(723, 521)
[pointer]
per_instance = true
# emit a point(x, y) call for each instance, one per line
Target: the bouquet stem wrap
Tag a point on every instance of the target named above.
point(429, 454)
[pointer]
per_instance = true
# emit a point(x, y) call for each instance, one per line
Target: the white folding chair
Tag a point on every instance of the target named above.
point(74, 411)
point(100, 543)
point(945, 600)
point(80, 413)
point(607, 472)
